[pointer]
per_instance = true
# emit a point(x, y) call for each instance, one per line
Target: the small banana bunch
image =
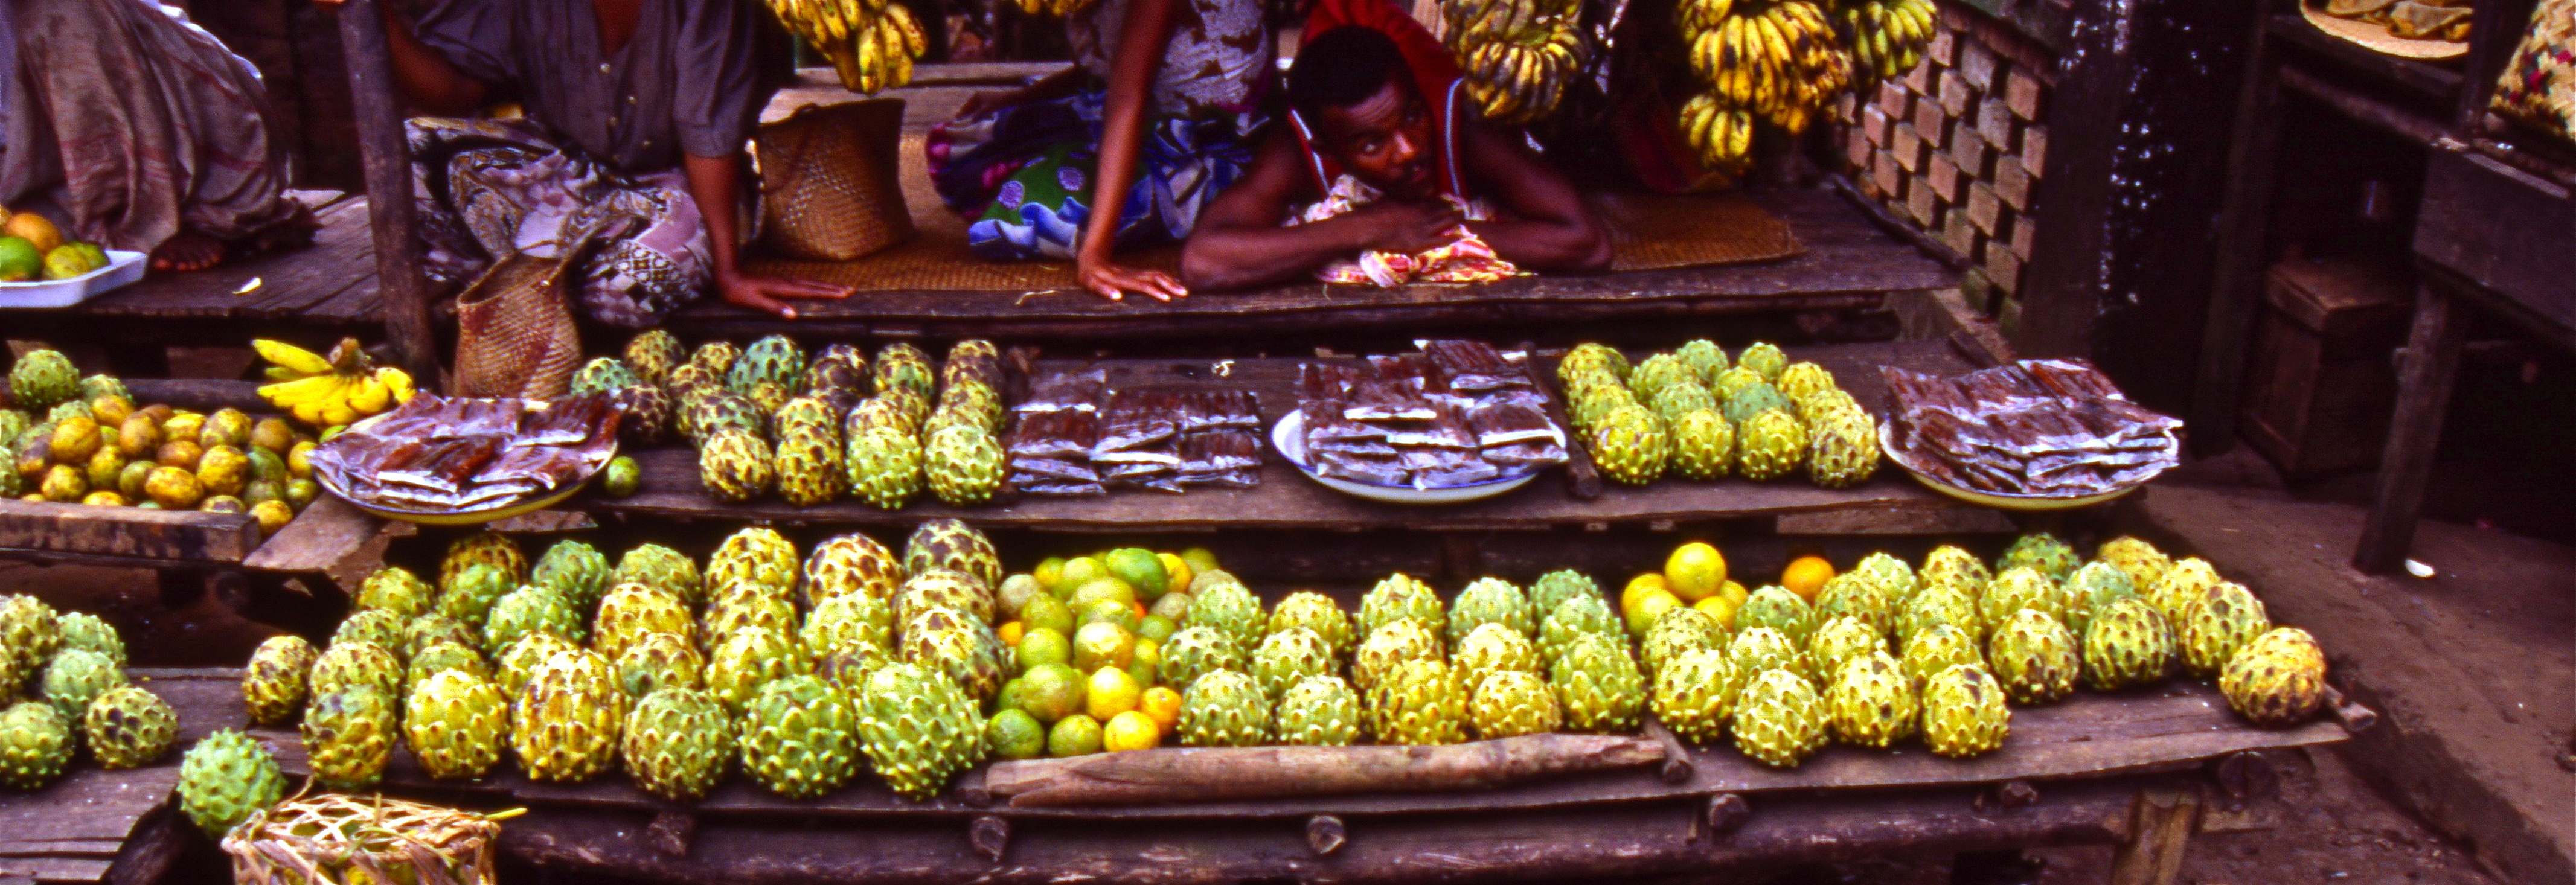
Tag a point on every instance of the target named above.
point(1058, 8)
point(1778, 61)
point(871, 42)
point(1518, 54)
point(1887, 37)
point(329, 391)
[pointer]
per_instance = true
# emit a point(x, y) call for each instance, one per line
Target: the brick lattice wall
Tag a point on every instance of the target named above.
point(1955, 147)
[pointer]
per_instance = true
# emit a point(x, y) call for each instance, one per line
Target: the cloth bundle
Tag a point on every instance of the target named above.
point(1466, 259)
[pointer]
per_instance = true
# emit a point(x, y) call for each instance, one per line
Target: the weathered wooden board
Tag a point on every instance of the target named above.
point(331, 537)
point(2180, 724)
point(1849, 263)
point(96, 825)
point(177, 536)
point(289, 282)
point(1286, 499)
point(1621, 843)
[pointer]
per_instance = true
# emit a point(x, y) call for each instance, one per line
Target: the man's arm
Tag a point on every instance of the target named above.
point(1239, 241)
point(1548, 228)
point(425, 76)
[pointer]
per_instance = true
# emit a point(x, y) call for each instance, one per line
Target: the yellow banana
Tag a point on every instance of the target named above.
point(396, 381)
point(915, 40)
point(280, 373)
point(286, 394)
point(290, 356)
point(368, 396)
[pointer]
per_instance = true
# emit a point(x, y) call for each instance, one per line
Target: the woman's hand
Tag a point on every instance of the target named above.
point(1113, 281)
point(769, 294)
point(984, 101)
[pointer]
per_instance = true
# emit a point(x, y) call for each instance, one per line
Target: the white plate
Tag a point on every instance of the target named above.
point(1289, 436)
point(1999, 500)
point(122, 268)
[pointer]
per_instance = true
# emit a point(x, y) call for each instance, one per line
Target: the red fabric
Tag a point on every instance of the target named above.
point(1435, 74)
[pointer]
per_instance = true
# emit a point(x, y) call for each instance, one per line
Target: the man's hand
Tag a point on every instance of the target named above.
point(765, 294)
point(1407, 228)
point(1113, 281)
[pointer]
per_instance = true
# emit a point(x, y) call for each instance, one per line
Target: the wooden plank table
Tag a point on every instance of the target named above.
point(2080, 770)
point(116, 827)
point(1286, 499)
point(1849, 264)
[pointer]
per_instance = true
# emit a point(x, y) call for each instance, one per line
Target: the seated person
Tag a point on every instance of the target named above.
point(1157, 109)
point(174, 156)
point(637, 112)
point(1366, 126)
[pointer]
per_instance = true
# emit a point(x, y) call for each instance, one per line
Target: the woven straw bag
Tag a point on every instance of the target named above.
point(514, 329)
point(831, 181)
point(2539, 82)
point(337, 839)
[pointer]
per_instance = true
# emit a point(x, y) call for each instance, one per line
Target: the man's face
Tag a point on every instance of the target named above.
point(1385, 139)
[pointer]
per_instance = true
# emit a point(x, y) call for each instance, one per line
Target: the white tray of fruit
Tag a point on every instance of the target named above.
point(39, 268)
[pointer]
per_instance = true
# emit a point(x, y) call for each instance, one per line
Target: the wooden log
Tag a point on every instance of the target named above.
point(2161, 827)
point(392, 217)
point(2424, 382)
point(2355, 717)
point(201, 394)
point(132, 532)
point(1211, 773)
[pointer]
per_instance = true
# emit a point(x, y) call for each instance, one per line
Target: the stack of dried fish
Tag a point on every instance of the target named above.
point(2050, 428)
point(1074, 435)
point(1457, 413)
point(450, 454)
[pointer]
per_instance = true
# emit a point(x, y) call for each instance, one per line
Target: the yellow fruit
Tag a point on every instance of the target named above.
point(104, 499)
point(1721, 608)
point(1638, 587)
point(1112, 692)
point(1075, 735)
point(1010, 632)
point(1049, 572)
point(1653, 604)
point(33, 228)
point(273, 515)
point(1806, 576)
point(1161, 703)
point(174, 487)
point(299, 460)
point(1177, 571)
point(1694, 571)
point(1131, 730)
point(65, 262)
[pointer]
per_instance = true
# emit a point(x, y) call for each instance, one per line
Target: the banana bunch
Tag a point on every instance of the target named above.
point(1059, 8)
point(1773, 60)
point(871, 42)
point(1517, 54)
point(329, 391)
point(1722, 135)
point(1887, 37)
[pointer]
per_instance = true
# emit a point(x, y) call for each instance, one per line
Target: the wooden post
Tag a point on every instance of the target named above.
point(2061, 293)
point(2423, 395)
point(2160, 826)
point(390, 214)
point(2236, 280)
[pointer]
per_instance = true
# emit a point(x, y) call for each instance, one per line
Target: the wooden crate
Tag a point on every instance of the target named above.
point(2320, 384)
point(126, 532)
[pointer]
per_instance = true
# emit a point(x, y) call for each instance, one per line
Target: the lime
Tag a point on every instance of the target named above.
point(65, 262)
point(1041, 646)
point(19, 260)
point(1077, 572)
point(1100, 644)
point(1046, 613)
point(1131, 730)
point(1111, 589)
point(1014, 734)
point(1156, 627)
point(1653, 604)
point(1109, 611)
point(1147, 665)
point(1015, 592)
point(1141, 569)
point(1075, 735)
point(1048, 572)
point(1200, 560)
point(1111, 692)
point(96, 256)
point(1050, 692)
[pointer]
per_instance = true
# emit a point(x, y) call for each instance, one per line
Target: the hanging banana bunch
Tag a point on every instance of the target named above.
point(1772, 60)
point(1886, 37)
point(871, 43)
point(1058, 8)
point(1517, 54)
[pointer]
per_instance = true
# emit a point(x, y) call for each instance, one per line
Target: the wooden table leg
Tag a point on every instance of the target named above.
point(2160, 826)
point(2424, 383)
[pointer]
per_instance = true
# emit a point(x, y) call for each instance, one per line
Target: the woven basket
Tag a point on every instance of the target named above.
point(334, 839)
point(2539, 82)
point(514, 330)
point(831, 181)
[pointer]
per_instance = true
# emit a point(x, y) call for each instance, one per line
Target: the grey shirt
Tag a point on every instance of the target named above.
point(689, 82)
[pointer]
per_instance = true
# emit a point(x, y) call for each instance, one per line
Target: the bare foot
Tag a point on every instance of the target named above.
point(187, 251)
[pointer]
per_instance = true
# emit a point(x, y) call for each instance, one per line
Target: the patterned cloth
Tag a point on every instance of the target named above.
point(488, 188)
point(1022, 175)
point(2539, 84)
point(1464, 259)
point(136, 124)
point(1216, 62)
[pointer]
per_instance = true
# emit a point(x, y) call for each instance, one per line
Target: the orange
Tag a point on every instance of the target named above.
point(1010, 632)
point(1806, 576)
point(1162, 704)
point(1112, 691)
point(1130, 730)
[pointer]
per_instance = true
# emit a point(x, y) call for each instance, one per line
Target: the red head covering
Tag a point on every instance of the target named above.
point(1435, 76)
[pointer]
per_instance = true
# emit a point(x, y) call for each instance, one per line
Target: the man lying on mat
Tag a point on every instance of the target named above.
point(637, 114)
point(1387, 167)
